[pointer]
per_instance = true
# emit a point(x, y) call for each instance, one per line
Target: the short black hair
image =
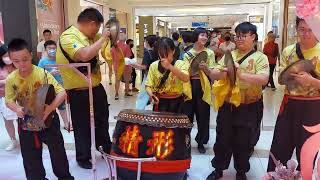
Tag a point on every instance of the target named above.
point(197, 32)
point(18, 44)
point(128, 41)
point(246, 27)
point(298, 20)
point(90, 14)
point(175, 36)
point(46, 31)
point(151, 40)
point(49, 42)
point(165, 44)
point(187, 37)
point(3, 51)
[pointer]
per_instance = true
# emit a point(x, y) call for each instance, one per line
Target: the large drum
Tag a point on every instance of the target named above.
point(142, 134)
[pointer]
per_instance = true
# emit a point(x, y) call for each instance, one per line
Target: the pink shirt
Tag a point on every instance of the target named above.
point(125, 50)
point(4, 72)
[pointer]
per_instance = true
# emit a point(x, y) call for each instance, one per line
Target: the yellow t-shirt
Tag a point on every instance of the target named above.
point(172, 85)
point(256, 63)
point(289, 56)
point(205, 83)
point(22, 90)
point(71, 41)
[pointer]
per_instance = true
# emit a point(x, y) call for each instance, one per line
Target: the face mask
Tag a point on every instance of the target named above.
point(227, 38)
point(7, 60)
point(52, 52)
point(131, 45)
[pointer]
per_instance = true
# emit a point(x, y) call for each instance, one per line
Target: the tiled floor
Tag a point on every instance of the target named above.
point(11, 167)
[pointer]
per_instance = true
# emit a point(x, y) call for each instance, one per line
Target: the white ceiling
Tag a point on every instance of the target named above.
point(137, 3)
point(213, 21)
point(239, 9)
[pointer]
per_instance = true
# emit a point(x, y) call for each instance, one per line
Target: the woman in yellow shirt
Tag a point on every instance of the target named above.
point(167, 79)
point(201, 89)
point(299, 106)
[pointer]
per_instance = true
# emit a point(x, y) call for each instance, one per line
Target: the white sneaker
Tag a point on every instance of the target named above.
point(13, 144)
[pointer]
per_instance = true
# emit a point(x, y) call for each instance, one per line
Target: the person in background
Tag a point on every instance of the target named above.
point(267, 37)
point(6, 67)
point(51, 49)
point(130, 43)
point(187, 42)
point(20, 90)
point(81, 43)
point(201, 89)
point(150, 54)
point(175, 38)
point(47, 35)
point(227, 45)
point(271, 49)
point(120, 51)
point(214, 46)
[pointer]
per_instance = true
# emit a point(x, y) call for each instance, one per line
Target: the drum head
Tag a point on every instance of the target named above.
point(155, 119)
point(44, 96)
point(285, 77)
point(114, 26)
point(194, 64)
point(231, 69)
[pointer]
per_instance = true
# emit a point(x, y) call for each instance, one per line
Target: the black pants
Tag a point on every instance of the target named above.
point(234, 130)
point(256, 130)
point(134, 76)
point(271, 82)
point(170, 105)
point(31, 150)
point(125, 174)
point(289, 133)
point(201, 109)
point(79, 105)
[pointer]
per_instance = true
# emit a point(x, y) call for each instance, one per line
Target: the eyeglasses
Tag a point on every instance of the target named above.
point(241, 37)
point(304, 31)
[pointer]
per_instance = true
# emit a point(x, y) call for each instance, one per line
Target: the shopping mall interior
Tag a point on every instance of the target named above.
point(139, 18)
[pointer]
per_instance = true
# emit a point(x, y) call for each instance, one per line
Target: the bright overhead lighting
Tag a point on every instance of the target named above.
point(199, 9)
point(162, 15)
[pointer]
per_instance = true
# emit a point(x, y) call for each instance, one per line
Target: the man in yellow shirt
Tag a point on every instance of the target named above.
point(81, 44)
point(236, 124)
point(299, 106)
point(167, 80)
point(21, 87)
point(201, 89)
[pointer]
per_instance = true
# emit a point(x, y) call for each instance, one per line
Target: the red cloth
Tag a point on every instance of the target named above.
point(271, 50)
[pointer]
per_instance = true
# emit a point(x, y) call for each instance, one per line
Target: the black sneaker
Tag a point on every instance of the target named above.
point(215, 175)
point(201, 149)
point(241, 176)
point(85, 164)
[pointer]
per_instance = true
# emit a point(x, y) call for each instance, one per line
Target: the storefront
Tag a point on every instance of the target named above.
point(50, 15)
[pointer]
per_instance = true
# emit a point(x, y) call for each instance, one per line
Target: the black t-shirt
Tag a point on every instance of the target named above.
point(148, 58)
